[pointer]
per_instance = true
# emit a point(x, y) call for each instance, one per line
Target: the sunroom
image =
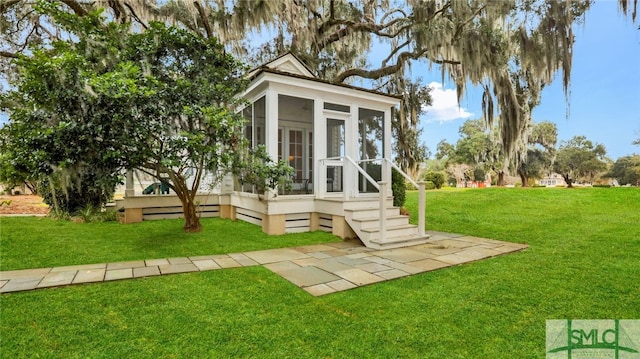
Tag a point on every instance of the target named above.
point(337, 139)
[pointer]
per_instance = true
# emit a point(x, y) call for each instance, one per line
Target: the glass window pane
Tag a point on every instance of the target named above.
point(259, 120)
point(336, 107)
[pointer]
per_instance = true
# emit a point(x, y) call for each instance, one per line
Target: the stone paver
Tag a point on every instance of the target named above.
point(403, 255)
point(429, 264)
point(308, 276)
point(206, 264)
point(55, 279)
point(452, 259)
point(332, 265)
point(116, 274)
point(89, 276)
point(392, 274)
point(20, 284)
point(146, 271)
point(318, 269)
point(125, 265)
point(319, 255)
point(276, 255)
point(319, 289)
point(358, 276)
point(280, 267)
point(227, 262)
point(341, 284)
point(24, 273)
point(179, 260)
point(243, 260)
point(178, 268)
point(314, 248)
point(79, 267)
point(157, 262)
point(373, 267)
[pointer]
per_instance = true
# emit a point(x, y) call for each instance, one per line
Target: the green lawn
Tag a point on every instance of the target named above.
point(583, 262)
point(42, 242)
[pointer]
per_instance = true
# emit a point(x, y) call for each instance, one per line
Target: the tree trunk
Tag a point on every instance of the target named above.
point(524, 179)
point(191, 218)
point(500, 179)
point(568, 180)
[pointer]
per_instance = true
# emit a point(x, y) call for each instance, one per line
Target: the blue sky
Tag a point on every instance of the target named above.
point(605, 89)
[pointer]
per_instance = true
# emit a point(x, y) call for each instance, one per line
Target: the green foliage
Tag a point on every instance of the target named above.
point(626, 170)
point(479, 175)
point(436, 178)
point(90, 214)
point(87, 190)
point(398, 187)
point(259, 170)
point(429, 185)
point(578, 159)
point(105, 100)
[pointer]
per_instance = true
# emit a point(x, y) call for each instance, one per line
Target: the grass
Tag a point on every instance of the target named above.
point(27, 242)
point(583, 262)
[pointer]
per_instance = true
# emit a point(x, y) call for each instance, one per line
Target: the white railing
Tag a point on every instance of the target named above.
point(381, 186)
point(422, 197)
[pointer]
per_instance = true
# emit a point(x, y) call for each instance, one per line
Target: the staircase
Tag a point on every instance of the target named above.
point(364, 219)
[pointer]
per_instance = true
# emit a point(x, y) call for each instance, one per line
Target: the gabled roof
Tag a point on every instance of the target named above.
point(286, 63)
point(290, 65)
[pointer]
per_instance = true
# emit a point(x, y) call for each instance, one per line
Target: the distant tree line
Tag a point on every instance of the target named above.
point(478, 155)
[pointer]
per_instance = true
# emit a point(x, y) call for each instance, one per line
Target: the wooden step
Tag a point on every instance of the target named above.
point(374, 222)
point(370, 234)
point(372, 212)
point(399, 242)
point(367, 204)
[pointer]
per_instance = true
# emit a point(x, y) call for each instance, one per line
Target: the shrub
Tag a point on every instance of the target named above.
point(399, 188)
point(430, 185)
point(436, 178)
point(77, 196)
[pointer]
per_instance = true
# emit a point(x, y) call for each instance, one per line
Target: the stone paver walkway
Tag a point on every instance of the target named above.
point(318, 269)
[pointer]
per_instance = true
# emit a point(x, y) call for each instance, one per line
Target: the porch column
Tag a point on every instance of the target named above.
point(319, 148)
point(386, 143)
point(351, 149)
point(271, 124)
point(129, 189)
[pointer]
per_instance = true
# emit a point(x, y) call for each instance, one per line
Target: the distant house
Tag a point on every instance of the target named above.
point(552, 180)
point(336, 137)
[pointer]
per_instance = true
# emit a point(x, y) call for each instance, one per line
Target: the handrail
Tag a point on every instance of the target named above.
point(363, 173)
point(422, 197)
point(401, 172)
point(382, 189)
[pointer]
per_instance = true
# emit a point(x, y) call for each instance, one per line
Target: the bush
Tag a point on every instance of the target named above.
point(399, 188)
point(89, 191)
point(429, 185)
point(437, 179)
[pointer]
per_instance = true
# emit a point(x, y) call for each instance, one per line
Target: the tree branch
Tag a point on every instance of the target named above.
point(76, 7)
point(7, 4)
point(395, 50)
point(382, 71)
point(205, 21)
point(9, 54)
point(135, 16)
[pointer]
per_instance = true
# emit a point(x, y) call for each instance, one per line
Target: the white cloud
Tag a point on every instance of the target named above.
point(445, 105)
